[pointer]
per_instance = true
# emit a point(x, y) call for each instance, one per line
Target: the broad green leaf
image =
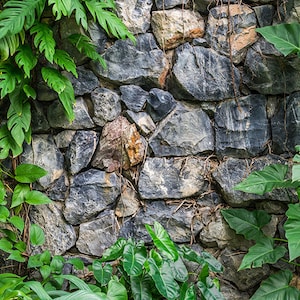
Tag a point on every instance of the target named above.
point(133, 259)
point(36, 234)
point(19, 194)
point(65, 61)
point(115, 251)
point(21, 246)
point(204, 273)
point(102, 274)
point(7, 144)
point(141, 287)
point(82, 294)
point(285, 37)
point(28, 173)
point(11, 235)
point(79, 283)
point(38, 289)
point(9, 45)
point(18, 222)
point(17, 256)
point(6, 245)
point(245, 222)
point(45, 271)
point(2, 193)
point(57, 264)
point(263, 252)
point(261, 182)
point(10, 76)
point(36, 198)
point(4, 214)
point(76, 262)
point(209, 291)
point(292, 230)
point(116, 291)
point(296, 173)
point(179, 270)
point(277, 287)
point(26, 59)
point(187, 292)
point(163, 279)
point(162, 240)
point(156, 257)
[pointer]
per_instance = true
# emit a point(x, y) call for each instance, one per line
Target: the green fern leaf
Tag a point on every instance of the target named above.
point(103, 12)
point(18, 14)
point(67, 98)
point(44, 40)
point(7, 144)
point(26, 59)
point(29, 91)
point(61, 8)
point(65, 61)
point(80, 14)
point(9, 77)
point(9, 45)
point(85, 46)
point(54, 79)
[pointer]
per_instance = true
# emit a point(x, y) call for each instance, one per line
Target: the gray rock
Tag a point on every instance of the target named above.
point(167, 4)
point(159, 104)
point(59, 236)
point(98, 36)
point(39, 123)
point(186, 131)
point(81, 150)
point(141, 64)
point(232, 293)
point(268, 73)
point(90, 193)
point(202, 74)
point(244, 279)
point(173, 178)
point(135, 14)
point(107, 105)
point(134, 97)
point(285, 124)
point(178, 222)
point(64, 138)
point(59, 189)
point(264, 14)
point(240, 30)
point(85, 83)
point(98, 235)
point(44, 153)
point(242, 127)
point(57, 117)
point(143, 121)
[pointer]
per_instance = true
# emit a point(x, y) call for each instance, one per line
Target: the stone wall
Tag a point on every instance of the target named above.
point(168, 128)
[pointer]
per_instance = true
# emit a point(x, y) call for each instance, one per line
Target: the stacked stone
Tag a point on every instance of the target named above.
point(167, 129)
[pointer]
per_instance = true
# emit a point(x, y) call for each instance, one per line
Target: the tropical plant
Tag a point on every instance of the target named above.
point(268, 250)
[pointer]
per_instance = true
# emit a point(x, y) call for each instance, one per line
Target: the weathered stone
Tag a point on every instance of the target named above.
point(232, 171)
point(59, 236)
point(98, 36)
point(244, 279)
point(135, 14)
point(44, 93)
point(57, 116)
point(39, 123)
point(181, 223)
point(121, 146)
point(141, 64)
point(59, 189)
point(134, 97)
point(176, 26)
point(160, 104)
point(97, 235)
point(81, 150)
point(85, 83)
point(272, 207)
point(202, 74)
point(231, 30)
point(64, 138)
point(90, 193)
point(167, 4)
point(44, 153)
point(142, 120)
point(173, 178)
point(186, 131)
point(268, 73)
point(232, 293)
point(289, 11)
point(285, 124)
point(107, 105)
point(242, 127)
point(264, 14)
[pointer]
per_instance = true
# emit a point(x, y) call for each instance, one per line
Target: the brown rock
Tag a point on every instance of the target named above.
point(176, 26)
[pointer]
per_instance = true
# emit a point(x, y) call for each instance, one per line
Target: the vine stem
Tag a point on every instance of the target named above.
point(290, 262)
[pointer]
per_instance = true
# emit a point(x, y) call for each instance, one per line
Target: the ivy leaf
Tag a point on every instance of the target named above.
point(19, 194)
point(292, 230)
point(6, 245)
point(25, 58)
point(285, 37)
point(36, 234)
point(4, 214)
point(36, 198)
point(277, 287)
point(102, 274)
point(17, 256)
point(7, 144)
point(29, 173)
point(10, 76)
point(245, 222)
point(263, 252)
point(18, 222)
point(65, 61)
point(44, 40)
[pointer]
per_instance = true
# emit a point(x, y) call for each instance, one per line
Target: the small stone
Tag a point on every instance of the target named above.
point(39, 122)
point(264, 14)
point(143, 121)
point(134, 97)
point(176, 26)
point(64, 138)
point(59, 189)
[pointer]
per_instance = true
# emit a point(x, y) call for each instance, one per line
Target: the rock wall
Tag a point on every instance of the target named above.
point(168, 128)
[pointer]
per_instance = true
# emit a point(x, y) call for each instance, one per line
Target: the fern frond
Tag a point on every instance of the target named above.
point(9, 44)
point(26, 59)
point(85, 46)
point(7, 144)
point(80, 14)
point(67, 99)
point(65, 61)
point(10, 76)
point(109, 21)
point(44, 40)
point(29, 91)
point(18, 14)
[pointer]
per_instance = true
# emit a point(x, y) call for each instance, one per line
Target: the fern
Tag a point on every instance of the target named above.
point(9, 44)
point(67, 98)
point(26, 59)
point(44, 40)
point(80, 14)
point(7, 144)
point(65, 61)
point(10, 76)
point(86, 47)
point(19, 14)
